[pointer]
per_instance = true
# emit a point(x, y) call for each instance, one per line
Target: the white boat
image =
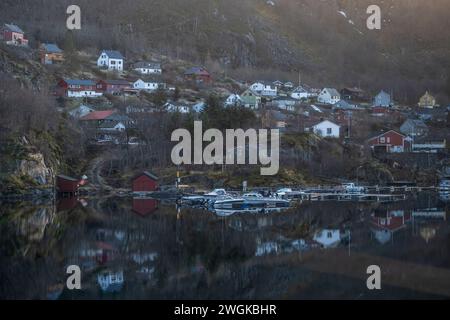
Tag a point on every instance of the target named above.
point(228, 202)
point(257, 200)
point(283, 192)
point(352, 188)
point(216, 193)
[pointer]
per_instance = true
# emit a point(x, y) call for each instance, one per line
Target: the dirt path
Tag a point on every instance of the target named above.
point(96, 180)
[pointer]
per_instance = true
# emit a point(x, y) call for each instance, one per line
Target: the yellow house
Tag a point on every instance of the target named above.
point(427, 101)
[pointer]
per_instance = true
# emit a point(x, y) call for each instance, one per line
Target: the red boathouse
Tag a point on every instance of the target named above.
point(145, 182)
point(65, 184)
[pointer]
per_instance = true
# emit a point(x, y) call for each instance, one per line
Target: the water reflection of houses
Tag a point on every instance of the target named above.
point(328, 238)
point(246, 224)
point(385, 223)
point(426, 222)
point(67, 204)
point(282, 246)
point(144, 207)
point(102, 249)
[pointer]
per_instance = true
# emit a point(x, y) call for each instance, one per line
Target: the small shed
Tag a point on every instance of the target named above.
point(145, 182)
point(66, 184)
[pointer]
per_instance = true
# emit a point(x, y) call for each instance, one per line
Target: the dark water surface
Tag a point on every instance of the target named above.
point(145, 249)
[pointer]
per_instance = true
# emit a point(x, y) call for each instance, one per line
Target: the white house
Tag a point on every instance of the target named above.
point(327, 129)
point(143, 85)
point(288, 85)
point(144, 67)
point(328, 238)
point(175, 107)
point(265, 88)
point(329, 96)
point(111, 60)
point(233, 100)
point(199, 107)
point(300, 93)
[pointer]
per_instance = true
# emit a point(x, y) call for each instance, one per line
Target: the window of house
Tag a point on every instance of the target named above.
point(113, 62)
point(329, 131)
point(329, 234)
point(382, 140)
point(388, 139)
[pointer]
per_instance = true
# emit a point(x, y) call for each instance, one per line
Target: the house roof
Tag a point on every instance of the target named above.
point(117, 82)
point(353, 90)
point(51, 48)
point(113, 54)
point(332, 91)
point(384, 133)
point(148, 174)
point(79, 82)
point(300, 89)
point(383, 93)
point(110, 125)
point(198, 71)
point(324, 122)
point(343, 104)
point(415, 123)
point(13, 28)
point(117, 117)
point(285, 99)
point(98, 115)
point(264, 82)
point(67, 178)
point(145, 64)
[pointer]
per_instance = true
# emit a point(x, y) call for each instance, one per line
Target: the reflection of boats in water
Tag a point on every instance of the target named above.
point(250, 201)
point(257, 200)
point(444, 189)
point(230, 212)
point(230, 203)
point(444, 185)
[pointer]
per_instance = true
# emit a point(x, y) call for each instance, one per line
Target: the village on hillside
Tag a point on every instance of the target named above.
point(88, 180)
point(113, 97)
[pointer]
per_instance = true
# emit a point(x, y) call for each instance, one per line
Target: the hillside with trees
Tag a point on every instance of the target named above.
point(326, 41)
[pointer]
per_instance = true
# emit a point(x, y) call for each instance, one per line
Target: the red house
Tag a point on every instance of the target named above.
point(386, 223)
point(13, 35)
point(98, 115)
point(145, 182)
point(76, 88)
point(391, 142)
point(144, 207)
point(115, 87)
point(65, 184)
point(198, 74)
point(390, 220)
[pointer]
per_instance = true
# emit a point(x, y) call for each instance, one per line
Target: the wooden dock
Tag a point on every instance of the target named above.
point(355, 197)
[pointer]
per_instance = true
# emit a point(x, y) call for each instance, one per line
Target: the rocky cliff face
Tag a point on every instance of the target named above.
point(35, 168)
point(26, 171)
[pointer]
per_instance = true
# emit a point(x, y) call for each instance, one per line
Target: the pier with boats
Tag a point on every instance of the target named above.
point(265, 200)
